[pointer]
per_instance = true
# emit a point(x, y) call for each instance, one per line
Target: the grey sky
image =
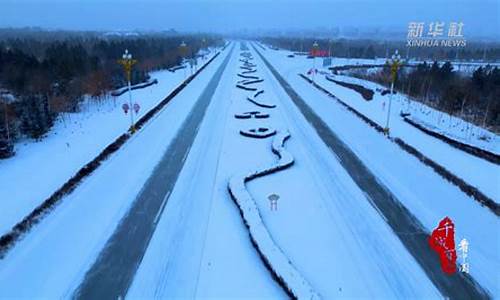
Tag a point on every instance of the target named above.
point(481, 17)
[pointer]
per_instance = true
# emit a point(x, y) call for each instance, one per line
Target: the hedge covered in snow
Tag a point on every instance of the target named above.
point(282, 269)
point(367, 94)
point(261, 104)
point(123, 90)
point(471, 149)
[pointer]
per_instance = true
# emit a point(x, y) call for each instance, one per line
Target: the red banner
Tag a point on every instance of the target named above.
point(318, 53)
point(442, 240)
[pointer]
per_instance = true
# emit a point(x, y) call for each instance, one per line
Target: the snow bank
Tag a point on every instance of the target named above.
point(272, 256)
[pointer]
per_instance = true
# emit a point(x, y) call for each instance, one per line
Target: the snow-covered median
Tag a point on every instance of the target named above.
point(273, 257)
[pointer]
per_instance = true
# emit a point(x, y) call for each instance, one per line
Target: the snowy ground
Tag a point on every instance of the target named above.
point(451, 126)
point(476, 171)
point(428, 196)
point(52, 259)
point(39, 168)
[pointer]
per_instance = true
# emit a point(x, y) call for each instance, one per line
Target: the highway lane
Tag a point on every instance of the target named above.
point(402, 221)
point(112, 273)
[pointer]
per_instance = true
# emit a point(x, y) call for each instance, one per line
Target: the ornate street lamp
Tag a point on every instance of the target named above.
point(315, 48)
point(183, 49)
point(395, 63)
point(203, 42)
point(127, 62)
point(330, 42)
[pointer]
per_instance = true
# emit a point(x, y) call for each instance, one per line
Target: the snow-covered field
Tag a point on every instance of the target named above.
point(427, 195)
point(476, 171)
point(451, 126)
point(39, 168)
point(325, 233)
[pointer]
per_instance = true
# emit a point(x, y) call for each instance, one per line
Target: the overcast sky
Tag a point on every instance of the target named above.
point(481, 17)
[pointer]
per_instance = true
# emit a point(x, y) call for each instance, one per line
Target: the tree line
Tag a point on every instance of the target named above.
point(43, 77)
point(474, 97)
point(370, 49)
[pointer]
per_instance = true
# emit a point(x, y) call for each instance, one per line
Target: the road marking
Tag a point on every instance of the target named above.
point(162, 207)
point(185, 155)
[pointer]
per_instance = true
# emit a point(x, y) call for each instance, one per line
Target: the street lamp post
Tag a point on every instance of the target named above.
point(395, 63)
point(203, 42)
point(330, 41)
point(314, 52)
point(183, 49)
point(127, 62)
point(6, 118)
point(6, 147)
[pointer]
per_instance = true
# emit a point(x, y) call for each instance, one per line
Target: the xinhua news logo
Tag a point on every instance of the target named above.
point(435, 34)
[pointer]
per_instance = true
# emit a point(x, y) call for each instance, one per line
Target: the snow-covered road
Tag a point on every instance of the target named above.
point(385, 208)
point(427, 195)
point(125, 249)
point(310, 225)
point(52, 259)
point(347, 223)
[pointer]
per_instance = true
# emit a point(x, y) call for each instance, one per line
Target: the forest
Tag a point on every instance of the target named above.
point(44, 73)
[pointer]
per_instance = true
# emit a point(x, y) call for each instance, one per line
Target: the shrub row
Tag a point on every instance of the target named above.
point(265, 105)
point(123, 90)
point(367, 120)
point(276, 262)
point(367, 94)
point(464, 186)
point(245, 87)
point(481, 153)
